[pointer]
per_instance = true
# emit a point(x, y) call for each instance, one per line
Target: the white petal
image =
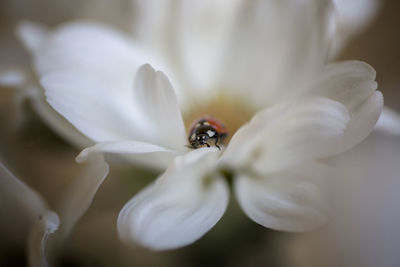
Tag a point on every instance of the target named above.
point(203, 29)
point(361, 124)
point(27, 89)
point(389, 122)
point(290, 200)
point(180, 207)
point(47, 224)
point(287, 134)
point(91, 107)
point(16, 79)
point(353, 84)
point(305, 133)
point(352, 18)
point(138, 152)
point(79, 195)
point(244, 142)
point(55, 121)
point(208, 155)
point(277, 47)
point(156, 99)
point(23, 210)
point(150, 21)
point(349, 82)
point(13, 78)
point(32, 35)
point(87, 71)
point(191, 34)
point(90, 47)
point(20, 205)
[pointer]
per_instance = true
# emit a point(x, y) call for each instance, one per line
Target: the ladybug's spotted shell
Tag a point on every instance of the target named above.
point(218, 126)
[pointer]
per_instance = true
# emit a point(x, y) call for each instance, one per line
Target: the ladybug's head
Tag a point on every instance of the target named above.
point(202, 139)
point(199, 140)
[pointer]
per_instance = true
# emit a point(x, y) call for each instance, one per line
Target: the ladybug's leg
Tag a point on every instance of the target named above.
point(216, 142)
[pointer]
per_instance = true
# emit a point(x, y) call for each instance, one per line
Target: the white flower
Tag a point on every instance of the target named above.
point(268, 56)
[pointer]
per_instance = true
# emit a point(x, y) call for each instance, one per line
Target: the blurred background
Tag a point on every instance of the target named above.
point(365, 223)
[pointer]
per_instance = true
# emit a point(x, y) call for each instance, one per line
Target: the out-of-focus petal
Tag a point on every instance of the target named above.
point(353, 84)
point(23, 210)
point(12, 78)
point(27, 89)
point(349, 82)
point(180, 207)
point(87, 71)
point(87, 46)
point(156, 99)
point(363, 120)
point(80, 193)
point(352, 18)
point(47, 224)
point(139, 152)
point(290, 200)
point(20, 206)
point(192, 35)
point(32, 35)
point(287, 134)
point(365, 197)
point(243, 142)
point(277, 47)
point(15, 79)
point(93, 108)
point(55, 121)
point(150, 22)
point(389, 122)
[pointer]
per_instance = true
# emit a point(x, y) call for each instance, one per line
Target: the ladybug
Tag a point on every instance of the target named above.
point(208, 132)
